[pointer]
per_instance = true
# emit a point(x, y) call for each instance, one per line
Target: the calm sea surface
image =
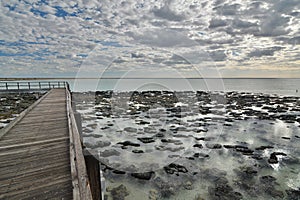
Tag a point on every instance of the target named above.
point(269, 86)
point(273, 86)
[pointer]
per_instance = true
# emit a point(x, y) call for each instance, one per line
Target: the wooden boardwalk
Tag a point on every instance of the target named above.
point(35, 153)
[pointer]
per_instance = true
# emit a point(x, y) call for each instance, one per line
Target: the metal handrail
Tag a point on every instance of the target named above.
point(41, 85)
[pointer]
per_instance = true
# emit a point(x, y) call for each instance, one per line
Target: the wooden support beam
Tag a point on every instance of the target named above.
point(93, 170)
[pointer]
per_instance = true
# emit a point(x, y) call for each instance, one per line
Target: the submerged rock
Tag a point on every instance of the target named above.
point(109, 152)
point(224, 192)
point(130, 129)
point(293, 194)
point(119, 193)
point(153, 194)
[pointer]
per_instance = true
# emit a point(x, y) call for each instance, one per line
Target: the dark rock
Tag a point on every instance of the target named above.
point(142, 122)
point(177, 142)
point(172, 168)
point(214, 146)
point(128, 143)
point(119, 193)
point(137, 151)
point(273, 159)
point(118, 172)
point(244, 151)
point(198, 146)
point(267, 179)
point(263, 148)
point(226, 124)
point(293, 194)
point(224, 192)
point(146, 140)
point(286, 138)
point(257, 157)
point(143, 176)
point(159, 135)
point(279, 154)
point(228, 146)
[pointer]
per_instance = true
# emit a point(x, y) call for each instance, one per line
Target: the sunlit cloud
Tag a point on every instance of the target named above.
point(55, 38)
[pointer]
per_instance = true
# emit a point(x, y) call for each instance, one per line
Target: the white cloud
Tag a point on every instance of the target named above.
point(56, 37)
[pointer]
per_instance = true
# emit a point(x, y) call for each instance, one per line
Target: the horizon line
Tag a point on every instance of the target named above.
point(49, 78)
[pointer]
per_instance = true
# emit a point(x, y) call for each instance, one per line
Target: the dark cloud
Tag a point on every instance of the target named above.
point(218, 55)
point(228, 9)
point(163, 38)
point(165, 12)
point(215, 23)
point(137, 55)
point(264, 52)
point(274, 25)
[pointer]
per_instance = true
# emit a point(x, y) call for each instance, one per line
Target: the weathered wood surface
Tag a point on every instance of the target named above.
point(35, 153)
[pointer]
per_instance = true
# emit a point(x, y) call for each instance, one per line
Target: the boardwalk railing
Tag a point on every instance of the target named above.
point(31, 86)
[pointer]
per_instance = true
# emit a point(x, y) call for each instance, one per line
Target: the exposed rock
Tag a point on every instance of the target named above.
point(146, 140)
point(128, 143)
point(176, 142)
point(213, 146)
point(143, 176)
point(172, 168)
point(200, 146)
point(264, 147)
point(137, 151)
point(118, 172)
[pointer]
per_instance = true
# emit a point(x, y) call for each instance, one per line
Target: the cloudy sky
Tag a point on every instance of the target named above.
point(192, 38)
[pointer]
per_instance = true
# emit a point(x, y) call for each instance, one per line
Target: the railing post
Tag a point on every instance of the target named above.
point(6, 86)
point(40, 85)
point(58, 84)
point(29, 85)
point(49, 85)
point(18, 85)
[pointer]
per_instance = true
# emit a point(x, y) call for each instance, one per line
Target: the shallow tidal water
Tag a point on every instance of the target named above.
point(187, 145)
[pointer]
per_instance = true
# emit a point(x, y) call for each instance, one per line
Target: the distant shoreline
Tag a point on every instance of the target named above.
point(72, 78)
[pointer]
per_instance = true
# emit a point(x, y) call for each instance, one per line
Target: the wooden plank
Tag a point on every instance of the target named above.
point(34, 152)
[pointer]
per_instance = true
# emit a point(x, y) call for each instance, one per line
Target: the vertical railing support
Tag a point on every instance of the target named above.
point(6, 86)
point(93, 171)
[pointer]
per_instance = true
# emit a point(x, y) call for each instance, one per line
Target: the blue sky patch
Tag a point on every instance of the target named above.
point(38, 12)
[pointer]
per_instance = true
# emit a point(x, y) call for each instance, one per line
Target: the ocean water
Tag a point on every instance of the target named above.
point(194, 154)
point(280, 86)
point(269, 86)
